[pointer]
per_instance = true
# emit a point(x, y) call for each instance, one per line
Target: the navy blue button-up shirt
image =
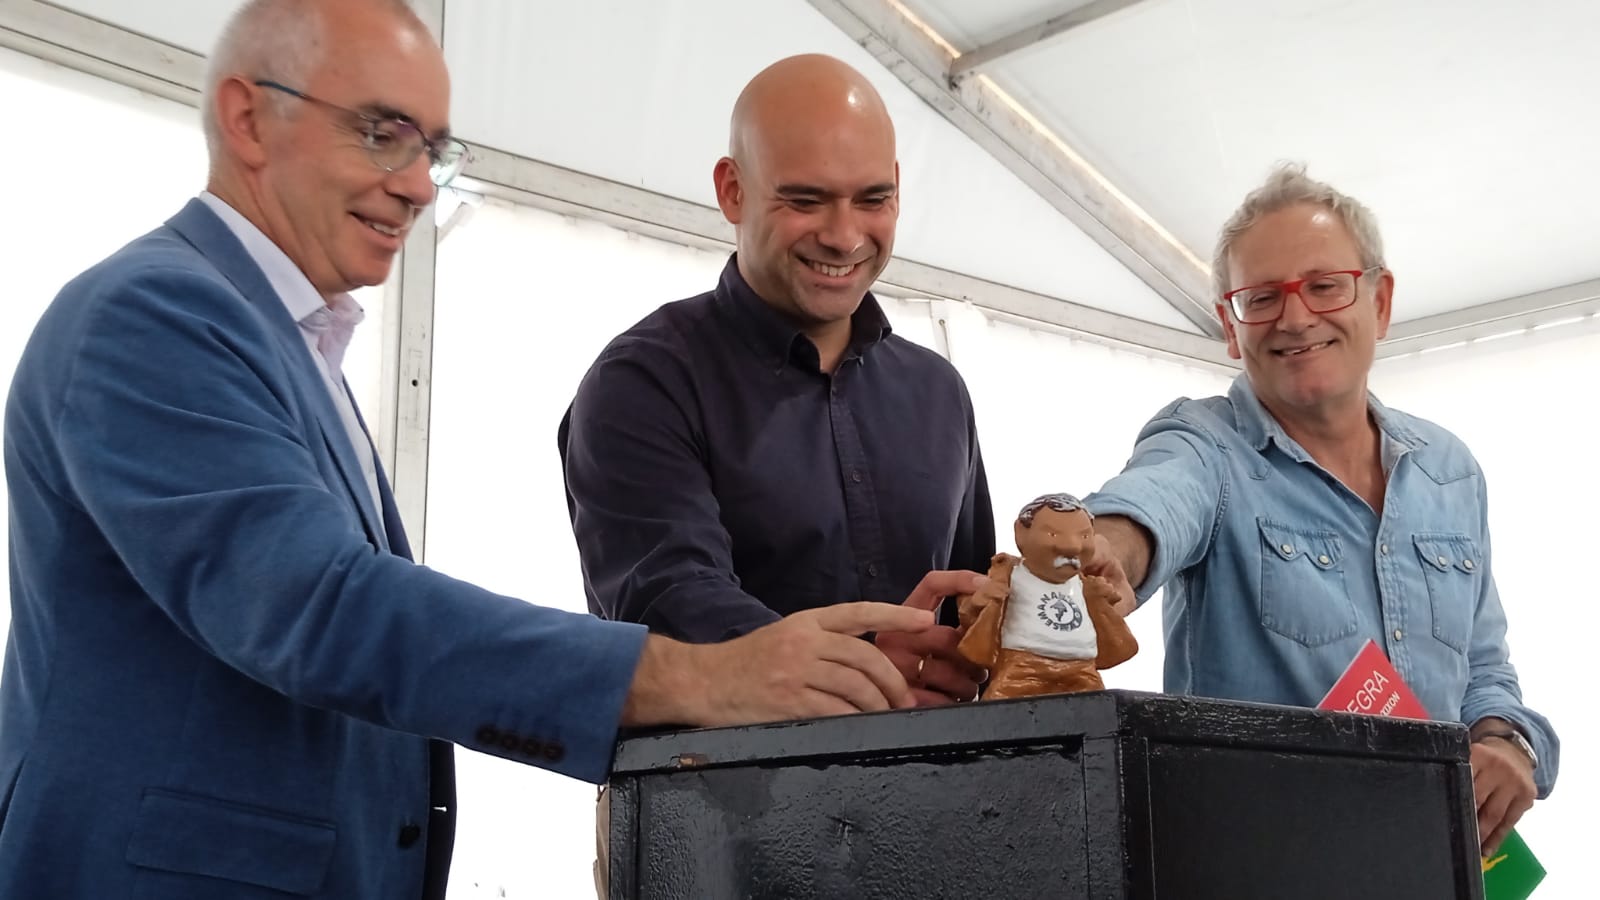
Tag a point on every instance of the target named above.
point(717, 479)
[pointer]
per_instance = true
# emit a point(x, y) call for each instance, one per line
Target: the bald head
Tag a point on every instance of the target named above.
point(812, 188)
point(802, 94)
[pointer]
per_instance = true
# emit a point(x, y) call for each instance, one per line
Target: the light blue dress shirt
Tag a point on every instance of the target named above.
point(1276, 572)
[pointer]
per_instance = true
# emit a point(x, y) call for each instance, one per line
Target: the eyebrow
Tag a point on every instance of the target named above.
point(384, 111)
point(807, 190)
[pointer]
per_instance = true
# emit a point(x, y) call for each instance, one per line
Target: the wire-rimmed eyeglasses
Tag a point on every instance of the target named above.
point(394, 143)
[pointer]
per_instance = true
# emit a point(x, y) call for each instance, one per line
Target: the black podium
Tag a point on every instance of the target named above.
point(1111, 796)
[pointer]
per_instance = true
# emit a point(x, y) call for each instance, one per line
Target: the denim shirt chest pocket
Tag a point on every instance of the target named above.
point(1451, 566)
point(1303, 593)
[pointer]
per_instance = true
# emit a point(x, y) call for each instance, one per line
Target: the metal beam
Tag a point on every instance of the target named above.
point(89, 45)
point(431, 12)
point(1034, 35)
point(533, 183)
point(404, 422)
point(1041, 159)
point(1487, 320)
point(1221, 365)
point(412, 384)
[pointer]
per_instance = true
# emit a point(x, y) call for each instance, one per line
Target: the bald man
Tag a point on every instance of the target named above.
point(770, 446)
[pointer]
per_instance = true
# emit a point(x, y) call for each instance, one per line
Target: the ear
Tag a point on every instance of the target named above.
point(239, 110)
point(730, 190)
point(1227, 329)
point(1382, 300)
point(1018, 530)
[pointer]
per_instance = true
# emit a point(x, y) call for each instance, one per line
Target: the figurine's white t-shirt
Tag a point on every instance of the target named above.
point(1047, 619)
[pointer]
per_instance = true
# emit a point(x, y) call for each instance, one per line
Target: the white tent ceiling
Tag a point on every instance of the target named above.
point(1091, 167)
point(1467, 126)
point(1423, 110)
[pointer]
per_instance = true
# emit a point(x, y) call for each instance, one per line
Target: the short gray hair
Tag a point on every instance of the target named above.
point(1057, 502)
point(280, 40)
point(1287, 186)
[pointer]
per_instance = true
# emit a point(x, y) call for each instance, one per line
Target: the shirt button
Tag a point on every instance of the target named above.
point(872, 570)
point(1466, 564)
point(855, 475)
point(1444, 560)
point(1398, 634)
point(1287, 548)
point(1384, 549)
point(1324, 559)
point(409, 835)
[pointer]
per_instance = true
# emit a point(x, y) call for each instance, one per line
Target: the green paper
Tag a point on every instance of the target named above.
point(1512, 872)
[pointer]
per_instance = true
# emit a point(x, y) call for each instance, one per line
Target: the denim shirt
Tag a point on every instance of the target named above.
point(1276, 572)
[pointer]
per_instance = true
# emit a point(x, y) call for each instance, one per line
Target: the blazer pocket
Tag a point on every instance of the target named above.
point(1303, 595)
point(196, 835)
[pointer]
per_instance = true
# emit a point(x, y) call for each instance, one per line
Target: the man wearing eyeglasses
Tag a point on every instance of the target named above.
point(225, 677)
point(1297, 517)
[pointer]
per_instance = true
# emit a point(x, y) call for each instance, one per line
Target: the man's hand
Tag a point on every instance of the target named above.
point(1107, 566)
point(806, 665)
point(1502, 783)
point(928, 660)
point(1129, 543)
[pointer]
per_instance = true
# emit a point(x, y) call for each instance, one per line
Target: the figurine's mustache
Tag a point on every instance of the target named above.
point(1072, 561)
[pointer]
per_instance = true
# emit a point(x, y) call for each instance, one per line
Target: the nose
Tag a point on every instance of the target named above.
point(1297, 316)
point(840, 232)
point(412, 183)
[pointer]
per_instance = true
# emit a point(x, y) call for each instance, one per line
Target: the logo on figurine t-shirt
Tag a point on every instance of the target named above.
point(1060, 613)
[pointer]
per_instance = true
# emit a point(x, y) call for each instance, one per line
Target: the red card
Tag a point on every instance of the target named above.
point(1371, 686)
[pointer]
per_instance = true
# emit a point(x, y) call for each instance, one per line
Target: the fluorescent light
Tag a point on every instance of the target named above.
point(1573, 320)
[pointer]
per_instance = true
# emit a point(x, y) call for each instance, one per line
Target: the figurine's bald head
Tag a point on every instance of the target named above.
point(810, 184)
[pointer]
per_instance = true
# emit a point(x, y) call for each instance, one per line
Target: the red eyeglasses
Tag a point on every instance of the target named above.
point(1324, 292)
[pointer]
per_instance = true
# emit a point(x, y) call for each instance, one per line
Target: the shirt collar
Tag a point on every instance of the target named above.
point(1258, 427)
point(774, 338)
point(291, 285)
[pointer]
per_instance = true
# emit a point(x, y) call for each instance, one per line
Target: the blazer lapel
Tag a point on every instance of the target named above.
point(200, 227)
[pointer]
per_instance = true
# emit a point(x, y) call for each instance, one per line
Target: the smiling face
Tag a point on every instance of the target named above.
point(336, 213)
point(811, 188)
point(1306, 364)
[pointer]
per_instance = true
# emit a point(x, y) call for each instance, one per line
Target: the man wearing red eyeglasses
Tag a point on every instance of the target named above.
point(1297, 517)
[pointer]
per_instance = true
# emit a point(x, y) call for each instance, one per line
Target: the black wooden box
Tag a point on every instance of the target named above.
point(1108, 795)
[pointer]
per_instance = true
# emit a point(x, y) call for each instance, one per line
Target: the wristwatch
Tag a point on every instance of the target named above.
point(1517, 740)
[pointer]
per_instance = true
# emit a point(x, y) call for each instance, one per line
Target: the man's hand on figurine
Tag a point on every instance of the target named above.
point(1108, 568)
point(936, 673)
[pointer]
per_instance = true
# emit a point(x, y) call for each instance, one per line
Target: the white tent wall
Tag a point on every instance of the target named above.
point(1524, 404)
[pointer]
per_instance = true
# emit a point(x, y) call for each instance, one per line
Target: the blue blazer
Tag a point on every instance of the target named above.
point(225, 677)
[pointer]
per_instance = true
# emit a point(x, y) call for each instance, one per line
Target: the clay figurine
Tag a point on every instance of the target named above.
point(1040, 626)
